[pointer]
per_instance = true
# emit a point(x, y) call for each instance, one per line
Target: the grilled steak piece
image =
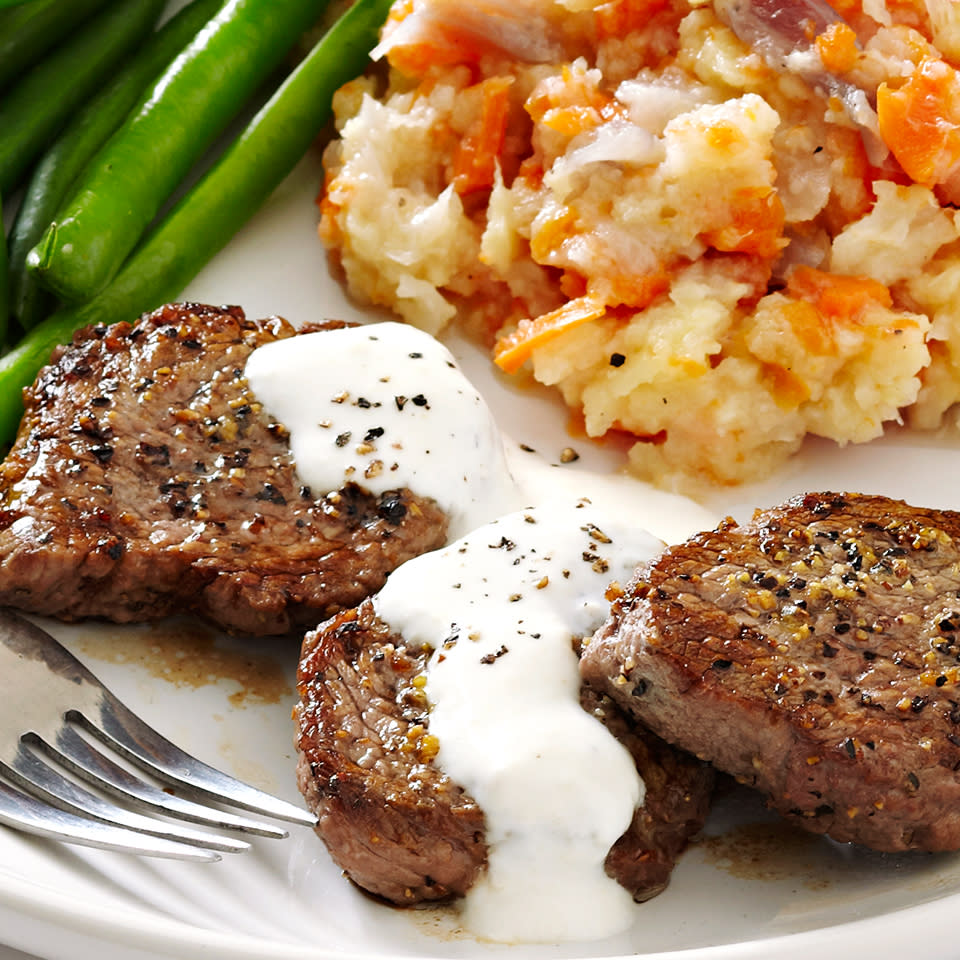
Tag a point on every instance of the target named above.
point(392, 819)
point(146, 480)
point(675, 804)
point(813, 653)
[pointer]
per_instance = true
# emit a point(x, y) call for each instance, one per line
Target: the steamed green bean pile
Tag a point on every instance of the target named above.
point(94, 159)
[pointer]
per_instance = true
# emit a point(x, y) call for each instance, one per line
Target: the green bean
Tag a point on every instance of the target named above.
point(32, 29)
point(133, 175)
point(4, 279)
point(35, 109)
point(89, 129)
point(205, 219)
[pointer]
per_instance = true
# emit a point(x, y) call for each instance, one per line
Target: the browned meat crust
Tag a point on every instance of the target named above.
point(146, 480)
point(390, 817)
point(395, 822)
point(813, 653)
point(675, 805)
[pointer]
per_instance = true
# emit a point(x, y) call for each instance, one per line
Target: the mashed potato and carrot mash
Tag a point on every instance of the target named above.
point(714, 226)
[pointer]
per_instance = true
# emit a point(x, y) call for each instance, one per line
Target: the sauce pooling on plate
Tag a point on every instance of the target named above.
point(501, 607)
point(386, 406)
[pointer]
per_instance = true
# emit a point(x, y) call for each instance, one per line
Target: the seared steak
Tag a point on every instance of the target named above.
point(675, 804)
point(392, 819)
point(813, 653)
point(146, 480)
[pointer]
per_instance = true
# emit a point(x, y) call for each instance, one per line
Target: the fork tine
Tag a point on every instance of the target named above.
point(26, 813)
point(134, 739)
point(83, 759)
point(30, 773)
point(73, 692)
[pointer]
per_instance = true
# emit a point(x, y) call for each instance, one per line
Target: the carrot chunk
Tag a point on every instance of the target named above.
point(837, 46)
point(835, 296)
point(920, 122)
point(754, 225)
point(824, 303)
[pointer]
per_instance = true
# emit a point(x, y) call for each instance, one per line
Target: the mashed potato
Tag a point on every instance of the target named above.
point(709, 228)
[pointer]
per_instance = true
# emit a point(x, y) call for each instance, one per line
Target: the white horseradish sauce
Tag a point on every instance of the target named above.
point(386, 406)
point(500, 607)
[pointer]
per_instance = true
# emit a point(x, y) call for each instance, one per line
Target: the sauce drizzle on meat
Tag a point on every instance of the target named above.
point(386, 406)
point(499, 607)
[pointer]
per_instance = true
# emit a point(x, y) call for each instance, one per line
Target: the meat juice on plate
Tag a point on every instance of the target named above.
point(386, 406)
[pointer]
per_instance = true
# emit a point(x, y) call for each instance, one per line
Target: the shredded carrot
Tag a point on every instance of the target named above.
point(636, 290)
point(820, 305)
point(825, 301)
point(415, 59)
point(920, 122)
point(550, 235)
point(475, 161)
point(571, 103)
point(754, 225)
point(613, 287)
point(836, 295)
point(514, 349)
point(837, 46)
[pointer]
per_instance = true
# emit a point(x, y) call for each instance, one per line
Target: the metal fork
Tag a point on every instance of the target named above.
point(46, 694)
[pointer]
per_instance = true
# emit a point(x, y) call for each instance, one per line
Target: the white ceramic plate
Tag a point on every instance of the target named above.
point(752, 888)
